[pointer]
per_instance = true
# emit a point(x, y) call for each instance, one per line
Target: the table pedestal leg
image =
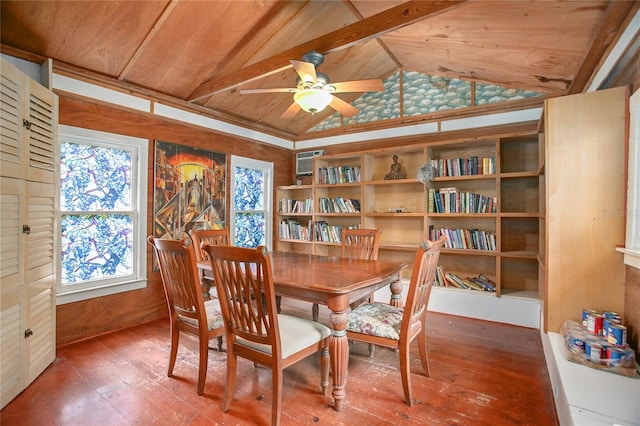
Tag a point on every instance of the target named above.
point(396, 294)
point(339, 355)
point(206, 287)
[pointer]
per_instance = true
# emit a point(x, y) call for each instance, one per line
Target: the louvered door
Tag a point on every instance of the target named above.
point(12, 288)
point(28, 166)
point(41, 135)
point(13, 157)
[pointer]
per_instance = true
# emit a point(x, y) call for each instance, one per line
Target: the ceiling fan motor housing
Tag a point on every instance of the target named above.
point(321, 81)
point(313, 57)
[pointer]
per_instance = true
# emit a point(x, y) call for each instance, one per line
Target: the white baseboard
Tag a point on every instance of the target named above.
point(521, 309)
point(588, 397)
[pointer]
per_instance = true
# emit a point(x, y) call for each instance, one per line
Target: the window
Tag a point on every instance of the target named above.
point(632, 239)
point(102, 214)
point(251, 212)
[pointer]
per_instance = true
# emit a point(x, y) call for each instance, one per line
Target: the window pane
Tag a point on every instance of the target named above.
point(250, 229)
point(94, 178)
point(96, 247)
point(249, 189)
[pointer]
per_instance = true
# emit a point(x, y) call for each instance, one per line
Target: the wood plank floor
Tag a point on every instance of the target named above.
point(482, 373)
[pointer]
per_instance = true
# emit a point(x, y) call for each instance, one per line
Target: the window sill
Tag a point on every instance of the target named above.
point(90, 293)
point(631, 257)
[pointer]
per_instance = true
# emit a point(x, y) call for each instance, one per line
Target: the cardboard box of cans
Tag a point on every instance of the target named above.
point(600, 341)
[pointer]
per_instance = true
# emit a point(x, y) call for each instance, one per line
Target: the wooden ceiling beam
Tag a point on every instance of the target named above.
point(389, 20)
point(610, 29)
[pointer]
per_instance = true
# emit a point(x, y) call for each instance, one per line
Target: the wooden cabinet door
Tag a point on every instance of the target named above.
point(585, 187)
point(42, 134)
point(28, 127)
point(12, 195)
point(28, 167)
point(13, 146)
point(11, 350)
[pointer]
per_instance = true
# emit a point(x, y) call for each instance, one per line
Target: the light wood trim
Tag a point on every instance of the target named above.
point(604, 41)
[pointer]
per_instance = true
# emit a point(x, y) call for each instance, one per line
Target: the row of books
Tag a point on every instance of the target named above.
point(466, 239)
point(339, 205)
point(343, 174)
point(450, 200)
point(289, 205)
point(473, 165)
point(292, 229)
point(449, 279)
point(322, 231)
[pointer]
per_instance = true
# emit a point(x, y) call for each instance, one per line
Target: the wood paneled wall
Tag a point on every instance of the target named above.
point(85, 319)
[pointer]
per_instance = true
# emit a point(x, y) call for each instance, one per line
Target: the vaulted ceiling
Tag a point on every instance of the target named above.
point(200, 54)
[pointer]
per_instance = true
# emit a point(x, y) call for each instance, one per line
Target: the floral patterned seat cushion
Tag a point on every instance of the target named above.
point(214, 315)
point(376, 319)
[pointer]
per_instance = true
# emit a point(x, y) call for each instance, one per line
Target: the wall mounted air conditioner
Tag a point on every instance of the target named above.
point(304, 162)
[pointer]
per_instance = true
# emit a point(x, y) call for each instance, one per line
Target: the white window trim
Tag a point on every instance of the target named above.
point(631, 250)
point(67, 294)
point(237, 161)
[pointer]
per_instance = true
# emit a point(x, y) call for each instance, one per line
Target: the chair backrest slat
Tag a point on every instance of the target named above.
point(219, 237)
point(360, 244)
point(245, 287)
point(422, 277)
point(179, 277)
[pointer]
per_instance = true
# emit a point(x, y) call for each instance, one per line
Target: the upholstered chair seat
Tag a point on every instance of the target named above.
point(393, 327)
point(213, 312)
point(376, 319)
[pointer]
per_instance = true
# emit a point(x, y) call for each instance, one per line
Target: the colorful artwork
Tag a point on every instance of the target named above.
point(189, 190)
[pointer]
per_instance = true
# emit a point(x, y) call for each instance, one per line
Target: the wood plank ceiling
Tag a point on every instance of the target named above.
point(201, 53)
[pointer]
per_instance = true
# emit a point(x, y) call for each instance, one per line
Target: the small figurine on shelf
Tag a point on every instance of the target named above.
point(396, 170)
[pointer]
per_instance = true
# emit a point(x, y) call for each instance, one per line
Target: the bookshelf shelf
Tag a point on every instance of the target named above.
point(463, 215)
point(521, 214)
point(490, 177)
point(393, 214)
point(470, 252)
point(403, 209)
point(520, 254)
point(399, 247)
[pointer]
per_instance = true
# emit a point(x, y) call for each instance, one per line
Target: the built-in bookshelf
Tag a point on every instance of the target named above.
point(485, 196)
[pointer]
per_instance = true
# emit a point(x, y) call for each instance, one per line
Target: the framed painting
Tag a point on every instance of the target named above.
point(189, 190)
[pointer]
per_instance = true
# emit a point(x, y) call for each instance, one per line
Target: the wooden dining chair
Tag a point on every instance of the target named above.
point(255, 331)
point(386, 325)
point(208, 236)
point(218, 237)
point(188, 312)
point(356, 244)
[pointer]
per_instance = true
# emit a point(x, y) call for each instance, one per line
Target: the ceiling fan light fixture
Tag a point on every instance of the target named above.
point(312, 100)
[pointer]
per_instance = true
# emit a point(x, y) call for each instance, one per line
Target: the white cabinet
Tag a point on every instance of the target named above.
point(28, 168)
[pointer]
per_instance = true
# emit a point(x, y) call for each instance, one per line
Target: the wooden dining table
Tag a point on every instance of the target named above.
point(335, 282)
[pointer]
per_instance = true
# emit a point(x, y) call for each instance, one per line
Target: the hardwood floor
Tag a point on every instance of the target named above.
point(482, 373)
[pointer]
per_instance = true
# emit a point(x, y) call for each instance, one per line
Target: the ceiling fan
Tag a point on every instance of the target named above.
point(314, 92)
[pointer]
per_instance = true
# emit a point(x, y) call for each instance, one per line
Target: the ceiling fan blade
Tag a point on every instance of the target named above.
point(373, 85)
point(274, 90)
point(291, 111)
point(343, 107)
point(306, 70)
